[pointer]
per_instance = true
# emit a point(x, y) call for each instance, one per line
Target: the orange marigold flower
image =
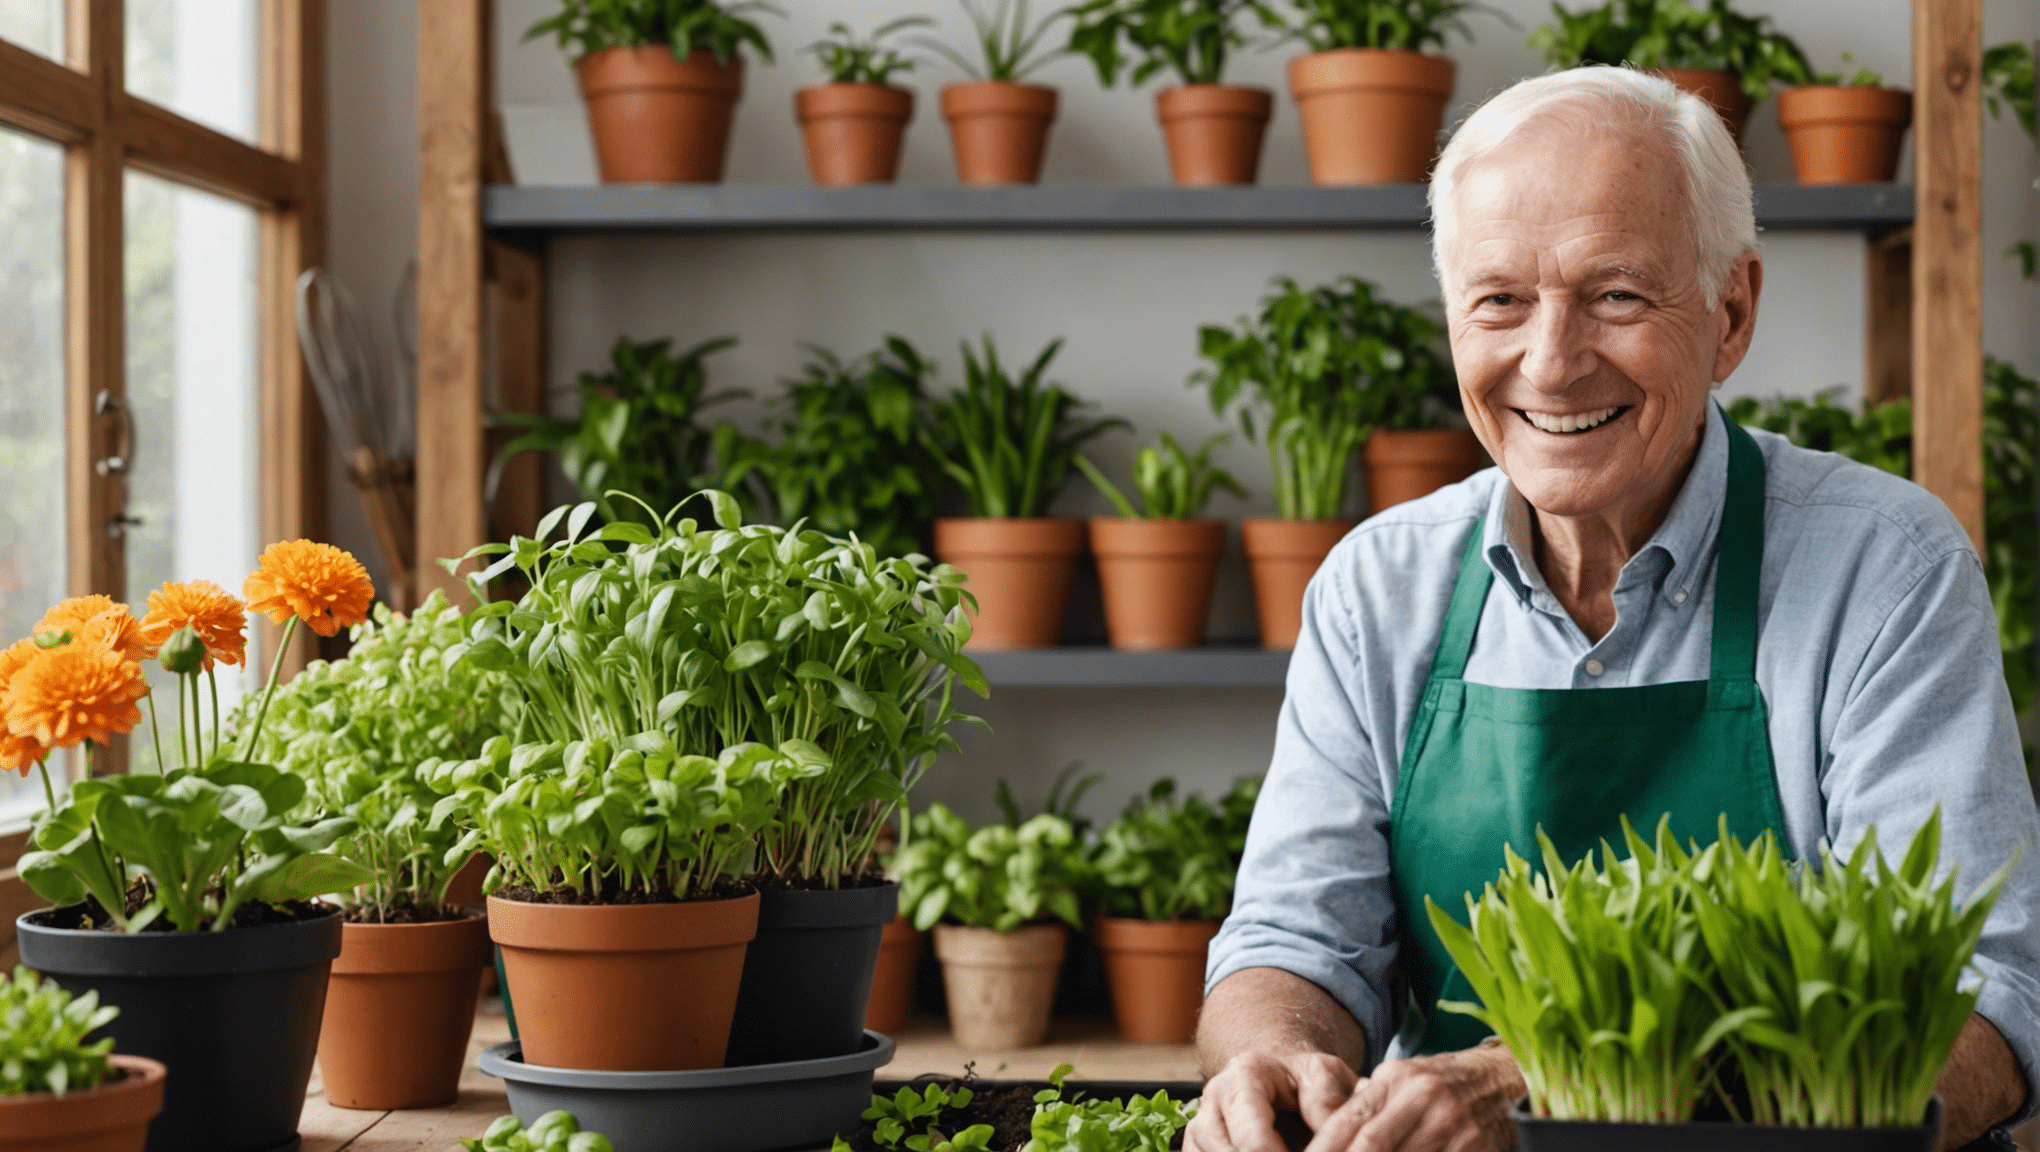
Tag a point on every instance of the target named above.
point(99, 620)
point(204, 607)
point(17, 753)
point(317, 583)
point(75, 692)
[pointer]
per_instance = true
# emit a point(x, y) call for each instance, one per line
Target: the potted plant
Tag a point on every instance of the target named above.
point(1728, 981)
point(59, 1090)
point(1420, 441)
point(1213, 129)
point(853, 125)
point(186, 899)
point(1372, 101)
point(1845, 130)
point(1720, 55)
point(363, 732)
point(999, 124)
point(1001, 901)
point(1157, 564)
point(661, 79)
point(1011, 445)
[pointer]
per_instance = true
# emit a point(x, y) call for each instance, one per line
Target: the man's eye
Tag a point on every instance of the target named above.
point(1621, 297)
point(1499, 299)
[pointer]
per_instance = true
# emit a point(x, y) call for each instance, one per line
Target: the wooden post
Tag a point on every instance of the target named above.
point(518, 277)
point(452, 127)
point(1887, 317)
point(1947, 321)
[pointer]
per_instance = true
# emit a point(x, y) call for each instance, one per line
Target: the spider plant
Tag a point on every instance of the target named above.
point(1008, 40)
point(849, 60)
point(1011, 444)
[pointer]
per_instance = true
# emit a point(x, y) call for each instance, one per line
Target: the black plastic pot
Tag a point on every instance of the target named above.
point(233, 1015)
point(807, 974)
point(793, 1105)
point(1538, 1135)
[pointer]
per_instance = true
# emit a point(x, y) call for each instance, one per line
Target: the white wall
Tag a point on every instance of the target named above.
point(1128, 303)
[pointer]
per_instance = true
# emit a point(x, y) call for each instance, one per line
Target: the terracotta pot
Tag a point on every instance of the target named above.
point(399, 1010)
point(1001, 985)
point(113, 1117)
point(1000, 130)
point(659, 120)
point(1157, 576)
point(1371, 116)
point(624, 987)
point(1721, 89)
point(892, 986)
point(1845, 135)
point(853, 131)
point(1407, 465)
point(1284, 555)
point(1157, 972)
point(1214, 132)
point(1020, 571)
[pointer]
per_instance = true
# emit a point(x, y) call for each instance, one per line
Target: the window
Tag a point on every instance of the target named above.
point(196, 58)
point(37, 25)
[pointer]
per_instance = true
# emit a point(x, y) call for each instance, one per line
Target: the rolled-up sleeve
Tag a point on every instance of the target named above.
point(1313, 896)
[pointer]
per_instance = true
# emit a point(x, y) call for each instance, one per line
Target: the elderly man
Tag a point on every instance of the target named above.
point(1572, 636)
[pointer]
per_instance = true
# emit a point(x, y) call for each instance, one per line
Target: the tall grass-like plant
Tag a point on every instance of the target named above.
point(1172, 483)
point(585, 27)
point(1675, 34)
point(1010, 444)
point(1396, 25)
point(1007, 38)
point(42, 1037)
point(1191, 38)
point(849, 60)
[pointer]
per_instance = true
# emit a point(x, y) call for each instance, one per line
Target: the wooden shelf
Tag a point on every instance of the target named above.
point(1213, 667)
point(521, 213)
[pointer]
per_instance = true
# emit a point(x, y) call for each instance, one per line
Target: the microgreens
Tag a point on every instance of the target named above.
point(1007, 40)
point(1010, 444)
point(1191, 38)
point(42, 1037)
point(556, 1131)
point(585, 27)
point(1136, 1124)
point(849, 60)
point(1172, 484)
point(1675, 34)
point(996, 877)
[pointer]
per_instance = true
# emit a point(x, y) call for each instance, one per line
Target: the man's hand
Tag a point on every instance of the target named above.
point(1457, 1102)
point(1238, 1110)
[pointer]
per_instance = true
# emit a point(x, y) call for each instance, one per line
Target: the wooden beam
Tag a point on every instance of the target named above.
point(1947, 321)
point(452, 125)
point(518, 278)
point(160, 141)
point(45, 97)
point(1887, 317)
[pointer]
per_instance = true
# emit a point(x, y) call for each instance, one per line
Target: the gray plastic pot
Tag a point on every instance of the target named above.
point(807, 973)
point(1539, 1135)
point(233, 1015)
point(801, 1103)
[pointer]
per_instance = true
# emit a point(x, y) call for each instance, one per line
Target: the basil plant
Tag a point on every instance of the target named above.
point(998, 877)
point(1170, 857)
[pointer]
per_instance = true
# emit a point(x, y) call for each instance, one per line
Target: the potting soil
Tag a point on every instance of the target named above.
point(1007, 1105)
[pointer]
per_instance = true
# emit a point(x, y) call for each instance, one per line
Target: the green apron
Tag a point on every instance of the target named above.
point(1489, 766)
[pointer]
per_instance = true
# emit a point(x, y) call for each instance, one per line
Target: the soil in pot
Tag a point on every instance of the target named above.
point(853, 131)
point(808, 973)
point(657, 119)
point(1214, 132)
point(1539, 1135)
point(999, 129)
point(1008, 1106)
point(399, 1010)
point(892, 983)
point(113, 1117)
point(1845, 135)
point(1284, 555)
point(624, 987)
point(1371, 115)
point(1721, 89)
point(1157, 577)
point(1157, 972)
point(1409, 465)
point(1020, 570)
point(234, 1016)
point(1001, 985)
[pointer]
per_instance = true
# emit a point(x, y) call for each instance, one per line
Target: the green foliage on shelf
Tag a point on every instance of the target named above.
point(365, 731)
point(1317, 371)
point(1675, 34)
point(2008, 83)
point(849, 60)
point(1191, 38)
point(1171, 857)
point(1065, 794)
point(1007, 39)
point(585, 27)
point(42, 1037)
point(1859, 78)
point(556, 1131)
point(998, 877)
point(1172, 483)
point(1010, 444)
point(1397, 25)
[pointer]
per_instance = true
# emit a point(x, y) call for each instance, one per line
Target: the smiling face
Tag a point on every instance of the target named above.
point(1581, 334)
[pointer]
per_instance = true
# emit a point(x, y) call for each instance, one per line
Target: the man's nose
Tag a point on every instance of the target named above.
point(1557, 351)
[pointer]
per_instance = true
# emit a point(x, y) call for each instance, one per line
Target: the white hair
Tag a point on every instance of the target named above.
point(1713, 178)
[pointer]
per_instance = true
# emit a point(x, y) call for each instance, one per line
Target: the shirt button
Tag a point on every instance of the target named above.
point(1594, 668)
point(1678, 597)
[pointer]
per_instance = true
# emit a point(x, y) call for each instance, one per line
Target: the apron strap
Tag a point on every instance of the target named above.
point(1462, 620)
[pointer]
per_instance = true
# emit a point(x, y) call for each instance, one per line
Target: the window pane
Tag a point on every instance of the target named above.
point(32, 525)
point(37, 25)
point(191, 378)
point(196, 58)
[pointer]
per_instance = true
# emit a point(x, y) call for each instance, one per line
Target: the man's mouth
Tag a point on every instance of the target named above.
point(1573, 423)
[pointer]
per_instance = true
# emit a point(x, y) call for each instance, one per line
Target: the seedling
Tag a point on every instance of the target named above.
point(42, 1037)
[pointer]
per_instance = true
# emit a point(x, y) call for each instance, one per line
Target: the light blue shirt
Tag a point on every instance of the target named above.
point(1877, 655)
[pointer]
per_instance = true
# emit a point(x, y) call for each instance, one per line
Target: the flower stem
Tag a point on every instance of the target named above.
point(49, 793)
point(183, 723)
point(269, 689)
point(212, 684)
point(156, 737)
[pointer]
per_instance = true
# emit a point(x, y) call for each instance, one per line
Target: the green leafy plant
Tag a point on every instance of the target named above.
point(700, 689)
point(1879, 436)
point(895, 1119)
point(1191, 38)
point(585, 27)
point(1167, 857)
point(1007, 39)
point(1324, 367)
point(1011, 445)
point(42, 1037)
point(1172, 483)
point(849, 60)
point(1675, 34)
point(1397, 25)
point(996, 877)
point(1135, 1124)
point(365, 732)
point(1859, 78)
point(1065, 795)
point(556, 1131)
point(2008, 83)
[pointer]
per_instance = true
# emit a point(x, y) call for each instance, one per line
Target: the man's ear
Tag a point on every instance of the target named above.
point(1738, 310)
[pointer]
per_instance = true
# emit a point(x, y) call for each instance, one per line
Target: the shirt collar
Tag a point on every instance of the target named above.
point(1684, 539)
